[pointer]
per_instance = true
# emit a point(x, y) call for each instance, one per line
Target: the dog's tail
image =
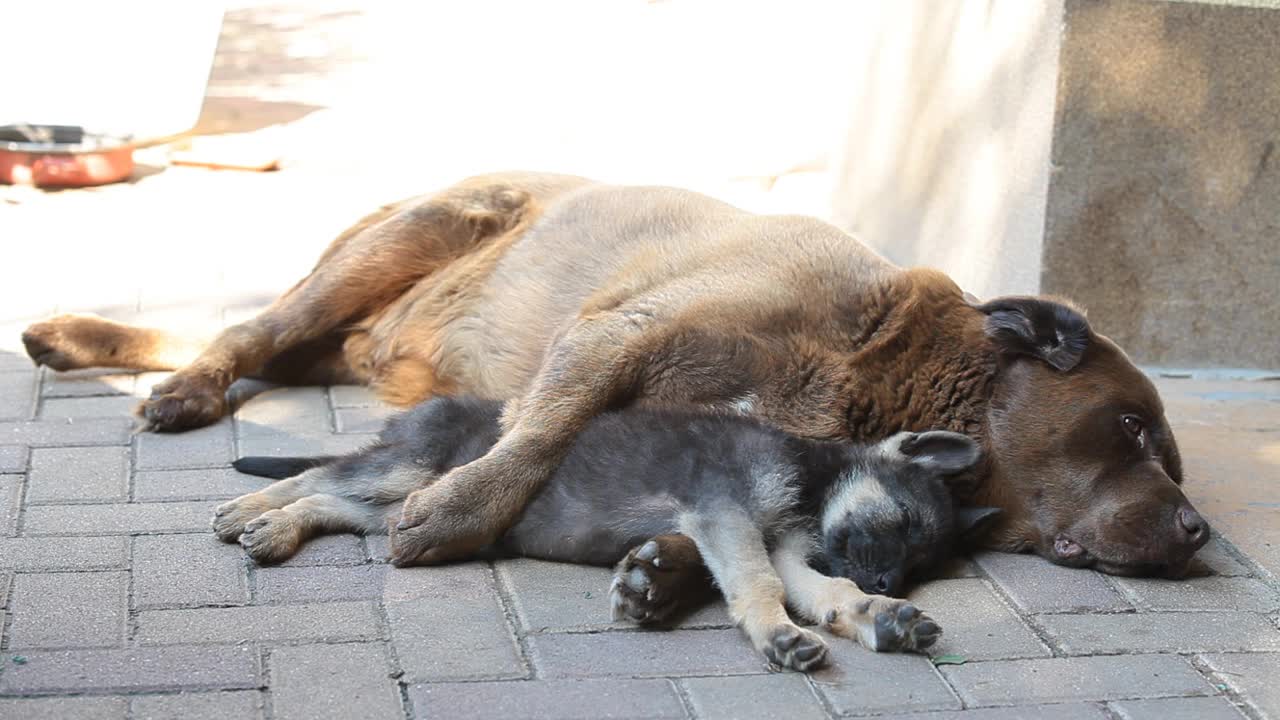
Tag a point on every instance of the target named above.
point(279, 468)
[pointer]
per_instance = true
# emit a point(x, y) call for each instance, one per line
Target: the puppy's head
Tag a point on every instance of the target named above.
point(889, 519)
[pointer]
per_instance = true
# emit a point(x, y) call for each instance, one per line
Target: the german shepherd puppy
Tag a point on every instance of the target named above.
point(756, 503)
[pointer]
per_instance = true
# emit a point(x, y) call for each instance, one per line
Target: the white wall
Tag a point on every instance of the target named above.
point(946, 157)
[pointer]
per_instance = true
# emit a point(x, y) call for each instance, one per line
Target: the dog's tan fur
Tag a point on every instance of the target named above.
point(573, 296)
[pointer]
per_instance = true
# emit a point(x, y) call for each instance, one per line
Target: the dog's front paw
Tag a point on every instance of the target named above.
point(794, 648)
point(884, 624)
point(271, 537)
point(183, 402)
point(438, 526)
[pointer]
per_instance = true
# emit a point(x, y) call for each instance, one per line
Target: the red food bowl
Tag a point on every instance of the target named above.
point(62, 156)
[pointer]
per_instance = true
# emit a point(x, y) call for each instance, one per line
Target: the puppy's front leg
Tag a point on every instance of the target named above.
point(880, 623)
point(734, 550)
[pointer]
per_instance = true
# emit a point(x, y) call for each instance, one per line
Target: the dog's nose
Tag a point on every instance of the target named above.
point(1195, 528)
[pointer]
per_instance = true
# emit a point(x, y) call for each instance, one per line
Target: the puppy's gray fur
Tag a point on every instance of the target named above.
point(874, 514)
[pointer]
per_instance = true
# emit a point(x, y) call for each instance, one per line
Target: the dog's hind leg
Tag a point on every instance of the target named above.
point(365, 273)
point(73, 342)
point(734, 550)
point(880, 623)
point(364, 270)
point(277, 534)
point(660, 579)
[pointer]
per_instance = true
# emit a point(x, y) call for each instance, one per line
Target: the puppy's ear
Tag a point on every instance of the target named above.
point(973, 522)
point(943, 452)
point(1054, 332)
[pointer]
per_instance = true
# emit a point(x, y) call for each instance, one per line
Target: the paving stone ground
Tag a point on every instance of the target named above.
point(117, 602)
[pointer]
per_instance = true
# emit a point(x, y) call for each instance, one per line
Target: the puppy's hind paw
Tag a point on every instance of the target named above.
point(637, 592)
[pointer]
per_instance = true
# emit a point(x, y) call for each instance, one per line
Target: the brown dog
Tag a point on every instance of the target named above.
point(569, 296)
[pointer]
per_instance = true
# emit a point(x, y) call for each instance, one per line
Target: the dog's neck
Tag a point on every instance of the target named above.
point(928, 365)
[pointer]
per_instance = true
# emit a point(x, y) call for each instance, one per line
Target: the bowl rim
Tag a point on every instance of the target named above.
point(92, 142)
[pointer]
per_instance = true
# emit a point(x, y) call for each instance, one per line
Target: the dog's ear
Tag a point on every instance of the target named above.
point(973, 522)
point(943, 452)
point(1052, 331)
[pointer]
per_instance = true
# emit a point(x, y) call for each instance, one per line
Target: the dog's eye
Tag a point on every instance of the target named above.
point(1132, 424)
point(905, 522)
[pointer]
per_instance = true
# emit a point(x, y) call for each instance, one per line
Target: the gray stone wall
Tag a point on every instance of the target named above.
point(1163, 213)
point(1122, 153)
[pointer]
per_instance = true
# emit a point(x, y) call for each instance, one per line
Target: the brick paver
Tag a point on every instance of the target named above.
point(187, 570)
point(1206, 593)
point(226, 705)
point(783, 695)
point(556, 597)
point(858, 681)
point(17, 394)
point(333, 681)
point(1194, 708)
point(1162, 632)
point(546, 699)
point(361, 419)
point(272, 623)
point(132, 669)
point(451, 640)
point(52, 610)
point(63, 553)
point(203, 447)
point(107, 406)
point(645, 654)
point(1253, 675)
point(1057, 711)
point(13, 459)
point(61, 708)
point(328, 550)
point(1015, 682)
point(976, 623)
point(72, 473)
point(117, 518)
point(51, 433)
point(1039, 587)
point(10, 503)
point(204, 483)
point(319, 584)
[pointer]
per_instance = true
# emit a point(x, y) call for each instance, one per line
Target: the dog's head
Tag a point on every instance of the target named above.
point(1082, 459)
point(889, 520)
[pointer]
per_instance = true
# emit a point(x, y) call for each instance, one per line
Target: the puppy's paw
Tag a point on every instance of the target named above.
point(230, 518)
point(658, 580)
point(884, 624)
point(794, 648)
point(271, 537)
point(638, 592)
